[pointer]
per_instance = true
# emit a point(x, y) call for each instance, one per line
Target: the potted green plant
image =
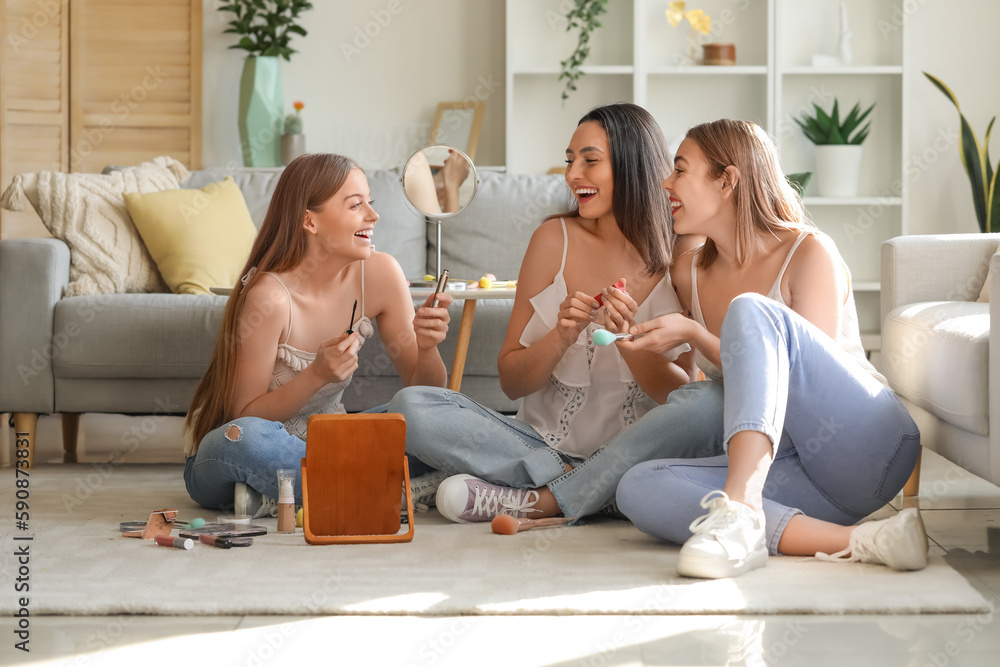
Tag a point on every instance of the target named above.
point(293, 142)
point(838, 147)
point(265, 29)
point(976, 159)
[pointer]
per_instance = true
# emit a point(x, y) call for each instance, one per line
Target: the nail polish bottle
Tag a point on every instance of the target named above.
point(286, 501)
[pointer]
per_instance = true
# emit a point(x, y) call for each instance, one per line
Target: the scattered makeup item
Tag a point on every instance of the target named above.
point(286, 500)
point(619, 285)
point(216, 541)
point(505, 524)
point(350, 329)
point(229, 530)
point(176, 542)
point(605, 337)
point(193, 523)
point(160, 522)
point(441, 286)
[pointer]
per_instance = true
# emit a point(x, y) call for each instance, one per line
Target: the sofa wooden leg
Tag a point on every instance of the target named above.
point(25, 432)
point(912, 486)
point(70, 432)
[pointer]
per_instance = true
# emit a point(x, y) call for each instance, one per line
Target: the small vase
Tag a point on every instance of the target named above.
point(292, 146)
point(261, 111)
point(837, 170)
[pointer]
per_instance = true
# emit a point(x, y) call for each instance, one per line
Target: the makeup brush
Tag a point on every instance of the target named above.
point(350, 329)
point(505, 524)
point(193, 523)
point(605, 337)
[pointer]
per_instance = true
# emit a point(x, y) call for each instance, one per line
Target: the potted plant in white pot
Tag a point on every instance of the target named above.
point(838, 148)
point(265, 29)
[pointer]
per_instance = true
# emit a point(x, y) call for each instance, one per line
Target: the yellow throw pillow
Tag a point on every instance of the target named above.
point(198, 238)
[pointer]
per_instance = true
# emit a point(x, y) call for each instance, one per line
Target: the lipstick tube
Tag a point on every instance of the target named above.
point(216, 541)
point(176, 542)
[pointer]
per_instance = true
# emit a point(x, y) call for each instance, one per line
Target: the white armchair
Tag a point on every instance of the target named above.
point(939, 351)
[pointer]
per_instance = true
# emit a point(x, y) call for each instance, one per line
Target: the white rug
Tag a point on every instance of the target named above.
point(80, 565)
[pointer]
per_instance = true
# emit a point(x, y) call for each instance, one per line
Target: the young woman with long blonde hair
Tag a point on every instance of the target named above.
point(290, 336)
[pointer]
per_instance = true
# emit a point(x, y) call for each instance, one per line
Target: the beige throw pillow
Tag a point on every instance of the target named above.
point(87, 212)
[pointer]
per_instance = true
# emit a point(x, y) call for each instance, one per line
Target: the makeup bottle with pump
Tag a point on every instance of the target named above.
point(286, 501)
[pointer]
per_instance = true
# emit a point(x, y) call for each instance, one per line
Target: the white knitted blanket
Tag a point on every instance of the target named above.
point(87, 211)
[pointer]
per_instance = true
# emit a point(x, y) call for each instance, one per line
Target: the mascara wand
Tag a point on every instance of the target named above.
point(350, 329)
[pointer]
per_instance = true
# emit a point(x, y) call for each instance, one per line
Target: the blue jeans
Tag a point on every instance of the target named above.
point(843, 443)
point(451, 432)
point(252, 457)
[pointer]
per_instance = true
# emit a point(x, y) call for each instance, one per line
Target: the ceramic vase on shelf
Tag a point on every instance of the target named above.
point(837, 170)
point(261, 111)
point(292, 146)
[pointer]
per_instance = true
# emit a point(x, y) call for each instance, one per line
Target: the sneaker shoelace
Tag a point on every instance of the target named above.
point(493, 500)
point(721, 514)
point(268, 507)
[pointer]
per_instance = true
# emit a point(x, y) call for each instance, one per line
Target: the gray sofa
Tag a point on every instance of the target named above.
point(144, 354)
point(940, 352)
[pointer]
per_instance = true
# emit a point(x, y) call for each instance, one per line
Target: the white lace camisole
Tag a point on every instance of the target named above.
point(591, 395)
point(848, 333)
point(291, 361)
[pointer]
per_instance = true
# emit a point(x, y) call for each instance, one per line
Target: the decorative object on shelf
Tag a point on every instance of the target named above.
point(844, 55)
point(458, 124)
point(700, 23)
point(719, 54)
point(838, 148)
point(582, 14)
point(799, 181)
point(265, 28)
point(976, 159)
point(293, 142)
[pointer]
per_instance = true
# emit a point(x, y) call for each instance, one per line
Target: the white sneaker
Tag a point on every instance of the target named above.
point(899, 542)
point(250, 502)
point(727, 542)
point(465, 499)
point(423, 489)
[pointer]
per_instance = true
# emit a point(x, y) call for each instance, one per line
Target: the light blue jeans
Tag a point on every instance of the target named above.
point(252, 457)
point(844, 444)
point(453, 433)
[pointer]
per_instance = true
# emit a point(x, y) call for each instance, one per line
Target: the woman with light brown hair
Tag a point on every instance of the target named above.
point(289, 340)
point(815, 441)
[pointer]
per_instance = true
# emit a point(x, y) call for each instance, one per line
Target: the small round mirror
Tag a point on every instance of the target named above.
point(439, 181)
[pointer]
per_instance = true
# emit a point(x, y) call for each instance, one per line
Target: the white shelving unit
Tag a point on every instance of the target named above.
point(636, 56)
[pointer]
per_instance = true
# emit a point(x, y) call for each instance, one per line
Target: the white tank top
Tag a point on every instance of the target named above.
point(291, 361)
point(591, 395)
point(848, 333)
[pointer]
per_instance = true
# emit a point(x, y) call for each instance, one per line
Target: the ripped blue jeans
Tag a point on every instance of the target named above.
point(249, 450)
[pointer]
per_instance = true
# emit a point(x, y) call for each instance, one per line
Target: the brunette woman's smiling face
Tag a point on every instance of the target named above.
point(588, 170)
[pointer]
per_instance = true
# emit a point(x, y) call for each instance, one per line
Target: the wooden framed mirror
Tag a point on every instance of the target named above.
point(458, 124)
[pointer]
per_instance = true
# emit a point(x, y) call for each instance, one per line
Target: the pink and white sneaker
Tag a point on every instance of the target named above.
point(468, 499)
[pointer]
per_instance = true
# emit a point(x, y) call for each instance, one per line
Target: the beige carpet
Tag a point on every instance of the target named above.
point(80, 565)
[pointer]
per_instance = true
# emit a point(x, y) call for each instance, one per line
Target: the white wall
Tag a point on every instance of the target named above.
point(956, 41)
point(376, 102)
point(378, 106)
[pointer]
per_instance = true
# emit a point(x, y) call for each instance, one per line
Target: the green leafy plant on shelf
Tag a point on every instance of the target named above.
point(265, 27)
point(976, 159)
point(799, 181)
point(826, 129)
point(582, 15)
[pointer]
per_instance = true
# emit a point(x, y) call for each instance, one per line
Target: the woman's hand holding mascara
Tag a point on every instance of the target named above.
point(431, 324)
point(337, 357)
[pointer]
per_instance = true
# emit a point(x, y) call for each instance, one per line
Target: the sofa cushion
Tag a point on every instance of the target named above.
point(936, 355)
point(514, 205)
point(199, 239)
point(135, 335)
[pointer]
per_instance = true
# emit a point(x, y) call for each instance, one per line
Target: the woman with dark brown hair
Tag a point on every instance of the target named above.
point(289, 340)
point(602, 265)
